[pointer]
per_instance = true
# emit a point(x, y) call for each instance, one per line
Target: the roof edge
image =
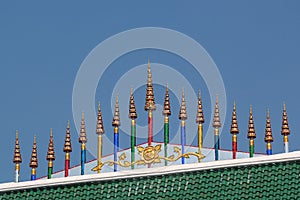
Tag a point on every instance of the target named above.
point(284, 157)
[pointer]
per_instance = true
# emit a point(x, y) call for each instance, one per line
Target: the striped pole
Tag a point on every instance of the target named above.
point(17, 158)
point(67, 149)
point(285, 130)
point(216, 124)
point(251, 133)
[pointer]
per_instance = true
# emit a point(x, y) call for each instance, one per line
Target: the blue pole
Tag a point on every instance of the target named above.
point(182, 140)
point(217, 146)
point(116, 147)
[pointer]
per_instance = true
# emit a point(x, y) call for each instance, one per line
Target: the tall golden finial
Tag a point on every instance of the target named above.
point(217, 121)
point(150, 101)
point(17, 154)
point(200, 115)
point(251, 129)
point(268, 133)
point(116, 119)
point(34, 160)
point(285, 130)
point(234, 124)
point(99, 127)
point(182, 112)
point(167, 108)
point(82, 138)
point(132, 109)
point(68, 144)
point(50, 154)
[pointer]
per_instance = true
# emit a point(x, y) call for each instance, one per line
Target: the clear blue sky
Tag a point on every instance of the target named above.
point(255, 45)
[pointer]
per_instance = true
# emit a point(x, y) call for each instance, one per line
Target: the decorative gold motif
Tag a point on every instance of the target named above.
point(149, 154)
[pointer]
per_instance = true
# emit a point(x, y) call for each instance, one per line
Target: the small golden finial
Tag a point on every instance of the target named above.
point(34, 160)
point(68, 144)
point(268, 135)
point(50, 154)
point(200, 115)
point(82, 138)
point(182, 112)
point(150, 101)
point(217, 121)
point(17, 154)
point(116, 119)
point(167, 108)
point(132, 110)
point(285, 130)
point(234, 124)
point(251, 129)
point(100, 126)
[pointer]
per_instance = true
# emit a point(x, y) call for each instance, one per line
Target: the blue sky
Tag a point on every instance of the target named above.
point(255, 45)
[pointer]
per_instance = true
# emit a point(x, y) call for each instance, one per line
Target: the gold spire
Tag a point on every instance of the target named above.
point(285, 130)
point(268, 135)
point(17, 154)
point(99, 127)
point(217, 121)
point(116, 119)
point(182, 112)
point(234, 124)
point(167, 108)
point(50, 154)
point(200, 115)
point(150, 102)
point(132, 109)
point(34, 160)
point(82, 138)
point(68, 144)
point(251, 129)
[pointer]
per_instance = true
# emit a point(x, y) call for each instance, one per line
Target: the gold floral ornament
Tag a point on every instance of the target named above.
point(149, 154)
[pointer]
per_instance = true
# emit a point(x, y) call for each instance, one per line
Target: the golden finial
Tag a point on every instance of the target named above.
point(200, 115)
point(100, 126)
point(68, 144)
point(167, 108)
point(82, 138)
point(50, 154)
point(268, 135)
point(132, 109)
point(182, 112)
point(285, 130)
point(150, 102)
point(116, 119)
point(234, 124)
point(17, 154)
point(217, 121)
point(34, 160)
point(251, 129)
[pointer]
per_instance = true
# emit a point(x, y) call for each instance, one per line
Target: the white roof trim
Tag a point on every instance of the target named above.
point(151, 171)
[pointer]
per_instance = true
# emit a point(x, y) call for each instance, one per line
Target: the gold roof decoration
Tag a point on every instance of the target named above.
point(51, 154)
point(182, 112)
point(100, 126)
point(116, 119)
point(200, 115)
point(132, 109)
point(285, 130)
point(82, 138)
point(68, 144)
point(150, 101)
point(268, 134)
point(17, 154)
point(216, 120)
point(234, 124)
point(167, 108)
point(251, 129)
point(34, 160)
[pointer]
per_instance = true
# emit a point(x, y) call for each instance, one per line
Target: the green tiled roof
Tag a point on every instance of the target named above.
point(278, 180)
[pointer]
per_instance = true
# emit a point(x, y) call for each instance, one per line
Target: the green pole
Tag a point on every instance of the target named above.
point(166, 137)
point(251, 148)
point(133, 141)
